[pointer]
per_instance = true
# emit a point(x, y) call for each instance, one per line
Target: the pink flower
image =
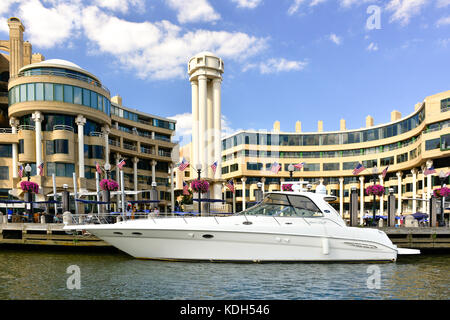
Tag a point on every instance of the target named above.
point(110, 185)
point(287, 187)
point(376, 189)
point(441, 192)
point(201, 186)
point(29, 186)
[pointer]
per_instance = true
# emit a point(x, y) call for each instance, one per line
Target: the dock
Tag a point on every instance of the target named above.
point(52, 234)
point(45, 234)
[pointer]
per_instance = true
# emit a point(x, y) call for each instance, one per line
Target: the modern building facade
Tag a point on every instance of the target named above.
point(56, 113)
point(407, 146)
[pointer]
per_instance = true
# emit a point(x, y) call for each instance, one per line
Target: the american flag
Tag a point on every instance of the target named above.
point(183, 165)
point(21, 171)
point(299, 165)
point(275, 167)
point(185, 189)
point(429, 170)
point(359, 168)
point(41, 169)
point(121, 164)
point(230, 185)
point(97, 166)
point(384, 172)
point(214, 167)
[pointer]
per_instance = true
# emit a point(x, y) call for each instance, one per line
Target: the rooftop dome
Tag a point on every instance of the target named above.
point(60, 62)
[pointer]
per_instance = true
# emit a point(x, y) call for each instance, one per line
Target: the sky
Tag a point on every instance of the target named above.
point(285, 60)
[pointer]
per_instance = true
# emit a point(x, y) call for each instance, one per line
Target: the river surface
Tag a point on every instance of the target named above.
point(34, 273)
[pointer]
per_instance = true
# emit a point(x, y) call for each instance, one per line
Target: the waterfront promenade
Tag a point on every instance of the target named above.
point(52, 234)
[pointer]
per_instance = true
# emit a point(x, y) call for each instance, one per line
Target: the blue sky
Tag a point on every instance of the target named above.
point(285, 60)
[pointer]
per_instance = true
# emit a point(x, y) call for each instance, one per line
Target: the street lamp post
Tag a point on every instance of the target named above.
point(198, 167)
point(29, 195)
point(291, 171)
point(442, 178)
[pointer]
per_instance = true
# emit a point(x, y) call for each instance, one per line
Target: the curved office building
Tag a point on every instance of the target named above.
point(63, 117)
point(407, 146)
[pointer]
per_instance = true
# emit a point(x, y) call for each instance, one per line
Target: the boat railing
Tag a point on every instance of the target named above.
point(114, 217)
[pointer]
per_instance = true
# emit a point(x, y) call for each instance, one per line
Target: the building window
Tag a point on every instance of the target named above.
point(331, 166)
point(57, 146)
point(445, 142)
point(445, 105)
point(21, 148)
point(311, 167)
point(349, 165)
point(433, 144)
point(369, 163)
point(6, 150)
point(4, 173)
point(402, 157)
point(386, 161)
point(60, 169)
point(234, 167)
point(254, 166)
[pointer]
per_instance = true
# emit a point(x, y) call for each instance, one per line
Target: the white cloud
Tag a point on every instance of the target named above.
point(160, 50)
point(120, 5)
point(47, 27)
point(349, 3)
point(249, 4)
point(443, 3)
point(314, 3)
point(372, 47)
point(194, 11)
point(277, 65)
point(404, 10)
point(334, 38)
point(295, 6)
point(443, 21)
point(444, 42)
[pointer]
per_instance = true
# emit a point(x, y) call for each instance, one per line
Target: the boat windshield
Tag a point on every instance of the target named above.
point(282, 205)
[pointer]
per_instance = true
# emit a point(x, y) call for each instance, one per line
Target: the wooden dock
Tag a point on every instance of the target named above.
point(46, 234)
point(52, 234)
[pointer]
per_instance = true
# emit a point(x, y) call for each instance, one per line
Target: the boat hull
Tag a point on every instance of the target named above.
point(214, 245)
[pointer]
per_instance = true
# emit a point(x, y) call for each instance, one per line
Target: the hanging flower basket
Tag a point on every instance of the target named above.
point(287, 187)
point(376, 190)
point(201, 186)
point(109, 185)
point(442, 192)
point(29, 186)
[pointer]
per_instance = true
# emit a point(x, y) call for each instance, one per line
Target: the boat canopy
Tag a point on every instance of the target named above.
point(285, 205)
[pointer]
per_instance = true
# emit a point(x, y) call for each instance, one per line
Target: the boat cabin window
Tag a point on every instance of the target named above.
point(281, 205)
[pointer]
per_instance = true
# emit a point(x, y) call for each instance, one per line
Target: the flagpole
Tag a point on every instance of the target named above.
point(75, 192)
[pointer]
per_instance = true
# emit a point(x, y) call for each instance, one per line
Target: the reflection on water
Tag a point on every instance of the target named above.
point(33, 274)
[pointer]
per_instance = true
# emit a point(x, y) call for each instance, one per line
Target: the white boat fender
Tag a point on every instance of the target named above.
point(325, 246)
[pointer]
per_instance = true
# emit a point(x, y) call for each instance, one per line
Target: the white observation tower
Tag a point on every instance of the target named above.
point(205, 74)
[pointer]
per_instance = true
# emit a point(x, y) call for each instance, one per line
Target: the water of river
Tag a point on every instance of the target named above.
point(43, 274)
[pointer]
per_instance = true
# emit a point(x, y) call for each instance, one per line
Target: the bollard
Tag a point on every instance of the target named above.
point(354, 208)
point(433, 210)
point(391, 208)
point(67, 218)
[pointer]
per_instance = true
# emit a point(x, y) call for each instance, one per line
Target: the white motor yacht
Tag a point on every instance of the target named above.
point(291, 226)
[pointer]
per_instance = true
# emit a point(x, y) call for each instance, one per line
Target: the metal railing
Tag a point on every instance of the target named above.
point(26, 127)
point(75, 76)
point(63, 127)
point(129, 146)
point(95, 134)
point(5, 130)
